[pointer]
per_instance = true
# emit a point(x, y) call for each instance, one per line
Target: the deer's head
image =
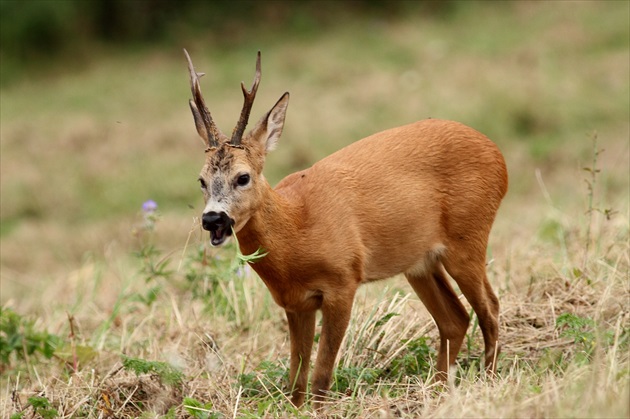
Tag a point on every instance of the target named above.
point(231, 178)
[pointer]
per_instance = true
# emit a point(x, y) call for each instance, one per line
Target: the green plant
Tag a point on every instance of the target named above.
point(268, 378)
point(154, 265)
point(416, 360)
point(585, 334)
point(41, 407)
point(199, 410)
point(217, 279)
point(348, 379)
point(591, 183)
point(203, 272)
point(20, 339)
point(164, 371)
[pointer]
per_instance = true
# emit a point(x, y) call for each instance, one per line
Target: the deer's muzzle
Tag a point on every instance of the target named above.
point(219, 224)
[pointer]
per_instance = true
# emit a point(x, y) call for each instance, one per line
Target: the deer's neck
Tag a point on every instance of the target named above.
point(272, 228)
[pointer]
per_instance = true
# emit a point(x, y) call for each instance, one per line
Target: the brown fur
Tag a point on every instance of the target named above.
point(418, 199)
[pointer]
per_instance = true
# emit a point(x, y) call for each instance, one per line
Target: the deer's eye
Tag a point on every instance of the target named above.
point(202, 183)
point(242, 180)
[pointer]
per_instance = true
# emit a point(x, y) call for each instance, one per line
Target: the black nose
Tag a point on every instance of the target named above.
point(213, 221)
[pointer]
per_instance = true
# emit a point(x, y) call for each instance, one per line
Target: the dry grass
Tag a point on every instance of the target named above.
point(543, 371)
point(76, 165)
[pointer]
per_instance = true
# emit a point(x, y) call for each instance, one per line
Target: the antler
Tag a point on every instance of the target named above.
point(248, 101)
point(206, 127)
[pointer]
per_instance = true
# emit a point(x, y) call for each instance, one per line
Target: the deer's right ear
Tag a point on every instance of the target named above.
point(268, 130)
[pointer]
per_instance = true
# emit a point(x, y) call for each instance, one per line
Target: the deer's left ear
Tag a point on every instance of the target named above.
point(268, 130)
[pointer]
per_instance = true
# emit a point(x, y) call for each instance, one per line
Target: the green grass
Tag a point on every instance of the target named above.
point(81, 150)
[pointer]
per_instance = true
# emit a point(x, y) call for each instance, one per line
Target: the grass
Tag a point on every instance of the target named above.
point(206, 348)
point(88, 282)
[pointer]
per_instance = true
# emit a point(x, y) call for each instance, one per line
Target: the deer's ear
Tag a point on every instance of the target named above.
point(268, 130)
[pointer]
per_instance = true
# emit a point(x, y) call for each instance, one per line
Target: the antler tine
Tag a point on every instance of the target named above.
point(199, 109)
point(248, 101)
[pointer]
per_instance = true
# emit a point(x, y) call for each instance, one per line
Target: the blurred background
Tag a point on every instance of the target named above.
point(95, 120)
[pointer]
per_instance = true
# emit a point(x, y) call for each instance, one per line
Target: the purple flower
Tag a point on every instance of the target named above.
point(149, 206)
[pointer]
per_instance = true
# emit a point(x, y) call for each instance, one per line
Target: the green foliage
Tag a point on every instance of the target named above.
point(242, 259)
point(154, 265)
point(216, 279)
point(171, 414)
point(348, 379)
point(585, 334)
point(41, 408)
point(268, 378)
point(202, 273)
point(268, 386)
point(167, 373)
point(148, 297)
point(39, 24)
point(36, 30)
point(20, 339)
point(415, 360)
point(199, 410)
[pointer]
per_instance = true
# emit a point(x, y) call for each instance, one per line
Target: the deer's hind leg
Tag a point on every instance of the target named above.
point(467, 266)
point(452, 320)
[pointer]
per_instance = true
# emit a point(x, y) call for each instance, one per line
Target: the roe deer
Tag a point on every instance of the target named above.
point(419, 200)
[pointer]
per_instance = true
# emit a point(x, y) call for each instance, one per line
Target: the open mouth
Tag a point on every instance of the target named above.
point(218, 236)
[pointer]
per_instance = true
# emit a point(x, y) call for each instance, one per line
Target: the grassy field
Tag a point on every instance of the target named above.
point(111, 312)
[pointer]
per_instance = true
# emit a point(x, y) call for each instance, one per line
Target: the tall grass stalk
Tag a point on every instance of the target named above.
point(591, 184)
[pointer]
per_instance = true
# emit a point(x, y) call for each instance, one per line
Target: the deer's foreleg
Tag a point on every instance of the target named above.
point(335, 318)
point(302, 331)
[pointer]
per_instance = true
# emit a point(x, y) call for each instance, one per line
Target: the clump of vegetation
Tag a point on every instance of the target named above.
point(40, 406)
point(199, 410)
point(162, 370)
point(269, 379)
point(21, 340)
point(586, 335)
point(414, 361)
